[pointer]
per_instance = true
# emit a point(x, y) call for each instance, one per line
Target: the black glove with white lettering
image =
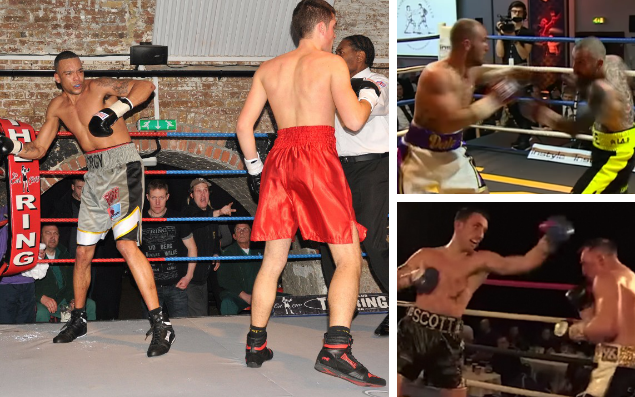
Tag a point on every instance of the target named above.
point(8, 146)
point(100, 124)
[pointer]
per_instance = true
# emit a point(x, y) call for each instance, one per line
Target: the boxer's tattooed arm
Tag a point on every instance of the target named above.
point(586, 115)
point(117, 87)
point(614, 72)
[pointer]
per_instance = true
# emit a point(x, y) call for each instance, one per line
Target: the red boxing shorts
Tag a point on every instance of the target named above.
point(303, 185)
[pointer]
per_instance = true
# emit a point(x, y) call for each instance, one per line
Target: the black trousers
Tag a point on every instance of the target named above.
point(369, 182)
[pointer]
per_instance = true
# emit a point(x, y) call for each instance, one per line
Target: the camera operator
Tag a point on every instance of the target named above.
point(515, 53)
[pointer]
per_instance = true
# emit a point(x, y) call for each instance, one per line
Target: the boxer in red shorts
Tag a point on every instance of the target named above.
point(303, 184)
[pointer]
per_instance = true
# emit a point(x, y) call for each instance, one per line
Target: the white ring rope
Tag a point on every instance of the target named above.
point(510, 390)
point(542, 69)
point(552, 134)
point(508, 316)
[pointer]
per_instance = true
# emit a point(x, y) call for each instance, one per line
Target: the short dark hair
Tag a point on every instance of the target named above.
point(42, 226)
point(157, 184)
point(517, 4)
point(62, 56)
point(240, 223)
point(309, 13)
point(466, 212)
point(363, 43)
point(602, 244)
point(77, 179)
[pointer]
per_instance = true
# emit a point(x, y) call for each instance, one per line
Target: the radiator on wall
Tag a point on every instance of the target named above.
point(224, 28)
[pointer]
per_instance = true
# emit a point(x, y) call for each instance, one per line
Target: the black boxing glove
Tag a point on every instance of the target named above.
point(100, 124)
point(254, 173)
point(580, 297)
point(366, 90)
point(425, 281)
point(558, 230)
point(9, 146)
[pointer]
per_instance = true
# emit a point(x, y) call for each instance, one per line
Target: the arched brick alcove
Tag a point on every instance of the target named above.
point(186, 154)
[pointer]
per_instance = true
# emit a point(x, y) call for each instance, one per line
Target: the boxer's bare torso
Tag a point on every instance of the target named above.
point(442, 87)
point(79, 101)
point(620, 283)
point(460, 275)
point(76, 113)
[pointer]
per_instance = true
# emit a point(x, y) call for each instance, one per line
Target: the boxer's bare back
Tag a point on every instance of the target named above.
point(615, 290)
point(304, 87)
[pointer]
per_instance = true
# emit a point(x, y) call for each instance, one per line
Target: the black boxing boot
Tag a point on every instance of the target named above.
point(162, 333)
point(382, 329)
point(336, 359)
point(257, 350)
point(74, 328)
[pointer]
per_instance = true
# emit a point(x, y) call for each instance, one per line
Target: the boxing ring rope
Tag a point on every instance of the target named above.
point(614, 40)
point(529, 284)
point(510, 390)
point(519, 99)
point(501, 315)
point(537, 69)
point(537, 356)
point(154, 172)
point(189, 258)
point(419, 38)
point(181, 219)
point(545, 133)
point(175, 135)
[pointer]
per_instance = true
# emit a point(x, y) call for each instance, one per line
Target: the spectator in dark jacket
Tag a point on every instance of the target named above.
point(207, 241)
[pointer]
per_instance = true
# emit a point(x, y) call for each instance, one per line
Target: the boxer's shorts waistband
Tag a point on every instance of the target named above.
point(322, 135)
point(426, 139)
point(439, 322)
point(612, 141)
point(112, 157)
point(622, 356)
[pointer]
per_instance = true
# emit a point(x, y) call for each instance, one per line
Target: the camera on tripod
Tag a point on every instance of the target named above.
point(506, 24)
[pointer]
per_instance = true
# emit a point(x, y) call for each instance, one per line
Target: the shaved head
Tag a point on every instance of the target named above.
point(594, 47)
point(464, 29)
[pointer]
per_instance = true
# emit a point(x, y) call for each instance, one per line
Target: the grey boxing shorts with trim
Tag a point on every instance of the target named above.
point(112, 197)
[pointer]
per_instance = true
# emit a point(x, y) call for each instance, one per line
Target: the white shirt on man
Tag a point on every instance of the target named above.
point(374, 136)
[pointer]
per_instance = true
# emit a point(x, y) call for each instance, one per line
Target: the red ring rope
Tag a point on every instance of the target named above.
point(529, 284)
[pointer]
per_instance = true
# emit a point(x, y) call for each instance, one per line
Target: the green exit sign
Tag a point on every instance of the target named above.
point(598, 20)
point(156, 125)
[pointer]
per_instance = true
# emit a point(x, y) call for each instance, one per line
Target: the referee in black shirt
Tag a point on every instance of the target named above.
point(516, 53)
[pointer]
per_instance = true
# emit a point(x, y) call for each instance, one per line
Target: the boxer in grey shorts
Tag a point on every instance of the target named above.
point(113, 195)
point(92, 110)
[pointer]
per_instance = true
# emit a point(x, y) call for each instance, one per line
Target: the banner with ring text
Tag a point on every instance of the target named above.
point(24, 200)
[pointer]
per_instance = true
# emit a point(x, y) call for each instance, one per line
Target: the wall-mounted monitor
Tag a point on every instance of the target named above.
point(421, 18)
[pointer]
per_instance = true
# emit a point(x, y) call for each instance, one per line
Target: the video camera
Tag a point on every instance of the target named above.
point(507, 24)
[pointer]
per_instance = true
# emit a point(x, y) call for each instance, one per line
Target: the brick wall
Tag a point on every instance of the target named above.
point(101, 27)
